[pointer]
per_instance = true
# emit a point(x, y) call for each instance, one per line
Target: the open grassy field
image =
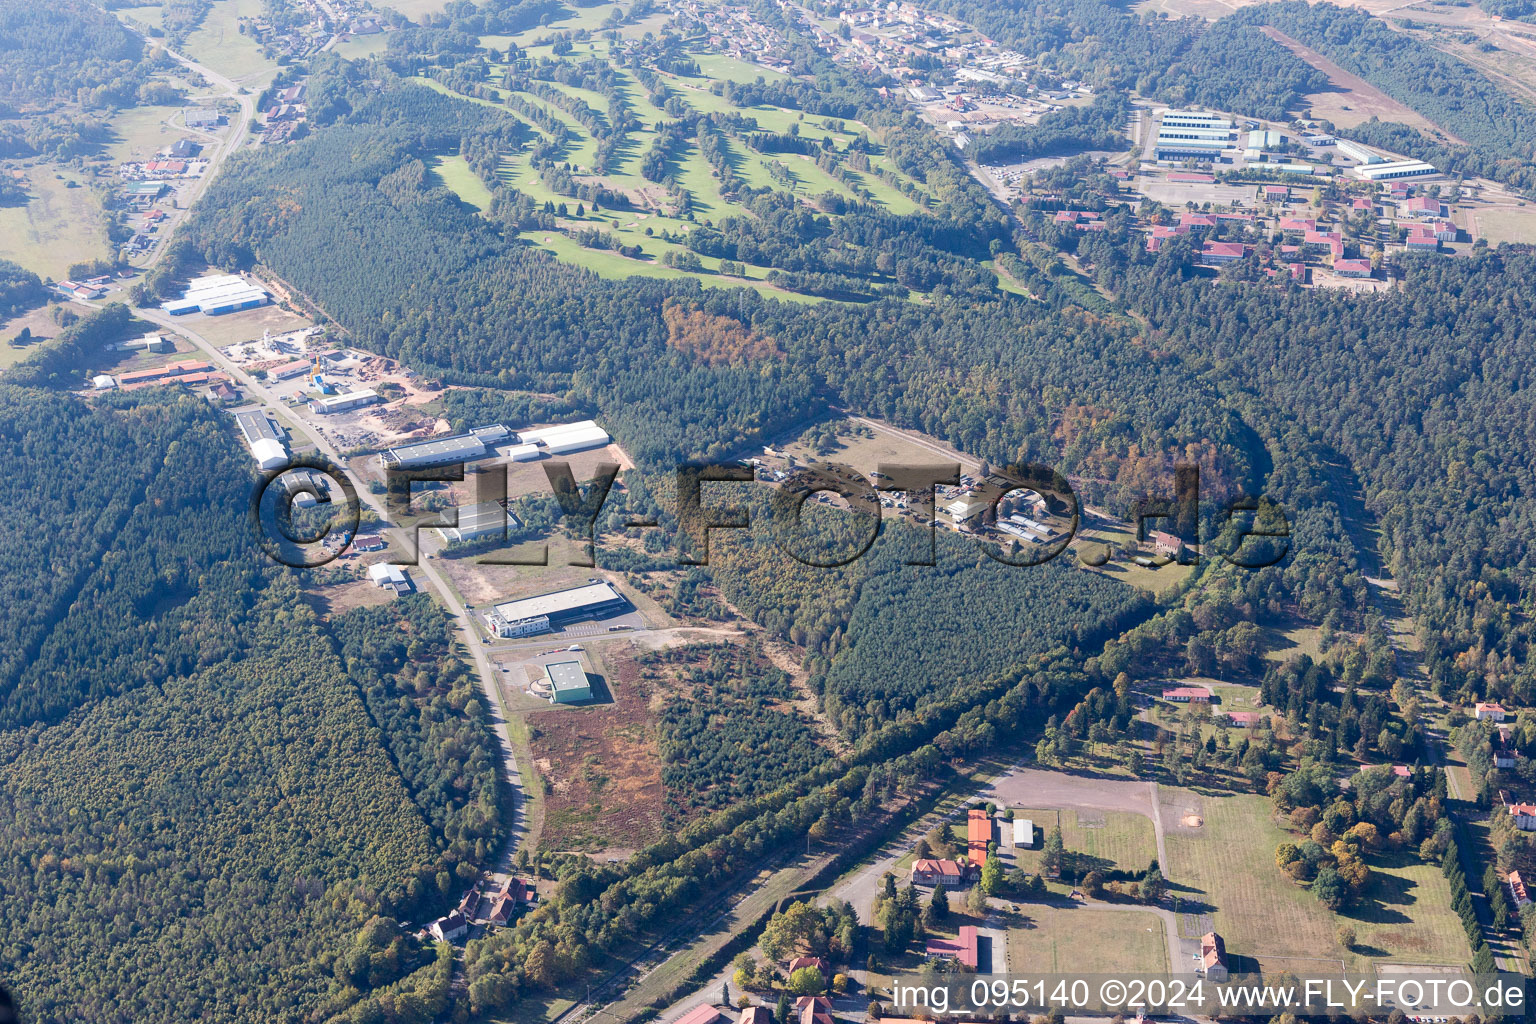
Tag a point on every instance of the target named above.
point(148, 14)
point(1085, 940)
point(219, 43)
point(1094, 534)
point(58, 225)
point(414, 9)
point(140, 132)
point(1226, 868)
point(650, 214)
point(1106, 839)
point(454, 171)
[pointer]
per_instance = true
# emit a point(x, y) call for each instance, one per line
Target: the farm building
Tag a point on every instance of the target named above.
point(593, 600)
point(567, 682)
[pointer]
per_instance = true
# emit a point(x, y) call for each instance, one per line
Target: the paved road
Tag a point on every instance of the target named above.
point(239, 132)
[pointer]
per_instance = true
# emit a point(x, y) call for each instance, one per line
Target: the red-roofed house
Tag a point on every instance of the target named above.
point(705, 1014)
point(755, 1015)
point(1517, 889)
point(1524, 814)
point(1422, 240)
point(1489, 712)
point(1188, 695)
point(1402, 771)
point(812, 1010)
point(961, 948)
point(1213, 956)
point(807, 961)
point(1277, 193)
point(1298, 272)
point(937, 872)
point(1423, 207)
point(1197, 220)
point(1352, 268)
point(1216, 253)
point(1443, 230)
point(1320, 239)
point(1245, 718)
point(1298, 224)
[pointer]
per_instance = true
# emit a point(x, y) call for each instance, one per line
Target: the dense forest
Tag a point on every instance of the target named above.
point(70, 51)
point(255, 798)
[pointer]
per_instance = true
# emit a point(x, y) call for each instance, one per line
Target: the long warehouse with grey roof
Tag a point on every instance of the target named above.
point(545, 611)
point(440, 451)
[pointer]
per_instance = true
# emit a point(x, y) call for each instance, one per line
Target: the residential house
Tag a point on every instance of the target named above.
point(807, 961)
point(946, 873)
point(1489, 712)
point(809, 1010)
point(447, 929)
point(1169, 544)
point(1213, 956)
point(755, 1015)
point(1517, 890)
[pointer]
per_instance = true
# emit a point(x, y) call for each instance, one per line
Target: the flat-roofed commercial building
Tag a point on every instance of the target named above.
point(1359, 153)
point(324, 405)
point(567, 682)
point(595, 599)
point(569, 437)
point(479, 522)
point(440, 451)
point(1396, 169)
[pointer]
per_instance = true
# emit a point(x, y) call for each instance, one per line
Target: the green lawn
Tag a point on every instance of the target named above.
point(1125, 840)
point(1229, 864)
point(465, 183)
point(58, 226)
point(219, 43)
point(1086, 940)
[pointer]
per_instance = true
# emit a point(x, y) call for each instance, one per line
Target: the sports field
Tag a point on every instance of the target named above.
point(1226, 867)
point(1085, 939)
point(1106, 839)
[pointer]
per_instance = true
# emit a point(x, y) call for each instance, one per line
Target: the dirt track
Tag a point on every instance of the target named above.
point(1365, 98)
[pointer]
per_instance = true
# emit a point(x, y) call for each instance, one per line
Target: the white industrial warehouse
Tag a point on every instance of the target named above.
point(569, 437)
point(214, 294)
point(261, 437)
